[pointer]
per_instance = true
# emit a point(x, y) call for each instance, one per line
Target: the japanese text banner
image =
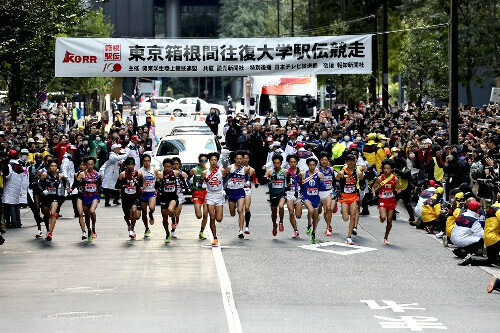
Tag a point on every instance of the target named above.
point(124, 57)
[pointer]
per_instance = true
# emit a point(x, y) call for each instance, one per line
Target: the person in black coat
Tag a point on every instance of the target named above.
point(213, 121)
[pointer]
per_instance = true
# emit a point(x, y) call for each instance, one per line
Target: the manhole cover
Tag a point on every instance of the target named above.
point(80, 315)
point(84, 289)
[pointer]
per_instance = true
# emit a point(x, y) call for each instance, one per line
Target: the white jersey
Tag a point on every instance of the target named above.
point(236, 178)
point(214, 181)
point(149, 179)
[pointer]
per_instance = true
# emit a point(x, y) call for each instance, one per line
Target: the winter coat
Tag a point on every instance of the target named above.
point(467, 229)
point(13, 183)
point(111, 170)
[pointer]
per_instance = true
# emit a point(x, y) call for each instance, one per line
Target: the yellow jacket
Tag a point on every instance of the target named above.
point(492, 225)
point(370, 152)
point(431, 209)
point(450, 221)
point(381, 155)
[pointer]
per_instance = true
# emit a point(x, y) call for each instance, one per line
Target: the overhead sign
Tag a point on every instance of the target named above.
point(124, 57)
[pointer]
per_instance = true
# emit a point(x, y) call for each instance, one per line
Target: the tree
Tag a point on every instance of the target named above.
point(27, 44)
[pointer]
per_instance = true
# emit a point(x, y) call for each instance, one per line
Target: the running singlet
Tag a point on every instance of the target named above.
point(310, 185)
point(149, 180)
point(52, 184)
point(214, 181)
point(178, 185)
point(90, 184)
point(236, 178)
point(278, 182)
point(293, 179)
point(386, 191)
point(348, 183)
point(131, 183)
point(328, 178)
point(168, 184)
point(198, 183)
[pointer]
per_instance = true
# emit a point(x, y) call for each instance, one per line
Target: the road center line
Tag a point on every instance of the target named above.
point(233, 319)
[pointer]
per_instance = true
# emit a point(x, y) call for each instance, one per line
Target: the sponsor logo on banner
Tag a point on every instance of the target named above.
point(112, 52)
point(112, 67)
point(74, 58)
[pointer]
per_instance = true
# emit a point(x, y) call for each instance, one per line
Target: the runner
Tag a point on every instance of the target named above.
point(277, 191)
point(35, 193)
point(235, 189)
point(349, 196)
point(199, 193)
point(215, 192)
point(250, 177)
point(181, 185)
point(312, 183)
point(293, 197)
point(90, 181)
point(169, 199)
point(129, 184)
point(79, 197)
point(326, 195)
point(147, 176)
point(49, 183)
point(386, 184)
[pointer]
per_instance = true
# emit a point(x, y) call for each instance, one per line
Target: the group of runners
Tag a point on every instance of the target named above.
point(319, 188)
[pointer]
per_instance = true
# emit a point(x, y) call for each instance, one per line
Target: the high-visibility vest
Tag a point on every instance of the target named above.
point(438, 172)
point(403, 183)
point(492, 225)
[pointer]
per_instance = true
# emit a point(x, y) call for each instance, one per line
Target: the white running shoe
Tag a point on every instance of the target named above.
point(39, 234)
point(84, 235)
point(174, 235)
point(247, 231)
point(440, 235)
point(349, 241)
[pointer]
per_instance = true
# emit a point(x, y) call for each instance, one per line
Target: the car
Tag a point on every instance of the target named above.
point(186, 107)
point(187, 147)
point(191, 130)
point(162, 103)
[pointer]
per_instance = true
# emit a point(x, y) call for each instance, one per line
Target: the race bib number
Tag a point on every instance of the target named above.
point(278, 183)
point(90, 188)
point(312, 191)
point(170, 188)
point(51, 190)
point(149, 185)
point(387, 195)
point(130, 190)
point(349, 189)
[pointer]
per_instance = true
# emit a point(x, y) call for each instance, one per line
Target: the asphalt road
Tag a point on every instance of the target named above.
point(277, 284)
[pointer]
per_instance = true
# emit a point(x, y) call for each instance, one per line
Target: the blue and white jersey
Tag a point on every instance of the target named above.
point(328, 177)
point(236, 178)
point(149, 178)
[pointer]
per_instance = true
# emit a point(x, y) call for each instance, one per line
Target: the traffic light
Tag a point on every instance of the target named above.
point(330, 89)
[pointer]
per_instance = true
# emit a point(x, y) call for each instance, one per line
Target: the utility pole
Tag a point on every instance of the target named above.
point(278, 18)
point(342, 10)
point(385, 60)
point(453, 68)
point(309, 16)
point(293, 32)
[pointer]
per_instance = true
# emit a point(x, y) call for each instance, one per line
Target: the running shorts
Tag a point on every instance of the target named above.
point(215, 199)
point(275, 198)
point(47, 200)
point(314, 200)
point(87, 200)
point(348, 198)
point(127, 204)
point(235, 195)
point(290, 195)
point(182, 198)
point(148, 195)
point(388, 204)
point(198, 196)
point(166, 198)
point(324, 194)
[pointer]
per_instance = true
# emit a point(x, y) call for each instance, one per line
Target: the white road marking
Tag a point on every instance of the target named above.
point(320, 248)
point(233, 319)
point(395, 307)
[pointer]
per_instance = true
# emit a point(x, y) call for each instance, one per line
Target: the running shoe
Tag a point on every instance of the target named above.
point(491, 285)
point(241, 235)
point(355, 231)
point(467, 261)
point(328, 233)
point(247, 231)
point(173, 234)
point(386, 242)
point(84, 235)
point(147, 233)
point(39, 234)
point(330, 229)
point(429, 230)
point(275, 230)
point(308, 230)
point(440, 235)
point(313, 238)
point(349, 241)
point(94, 234)
point(131, 234)
point(49, 237)
point(91, 237)
point(167, 238)
point(215, 243)
point(201, 236)
point(281, 227)
point(295, 234)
